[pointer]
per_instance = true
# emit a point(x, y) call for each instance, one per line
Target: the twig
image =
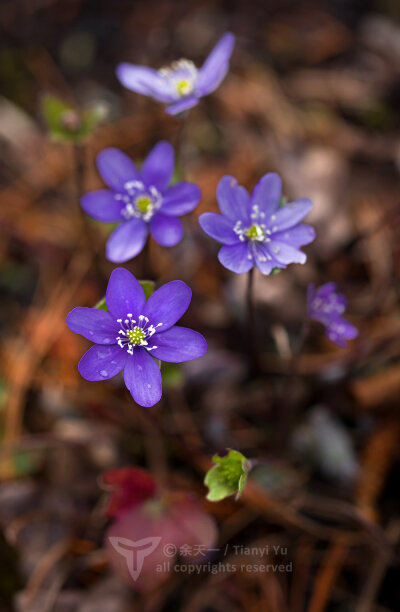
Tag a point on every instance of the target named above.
point(327, 574)
point(302, 565)
point(377, 573)
point(44, 567)
point(41, 331)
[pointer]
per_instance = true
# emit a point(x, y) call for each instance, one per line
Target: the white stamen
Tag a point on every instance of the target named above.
point(181, 77)
point(135, 334)
point(136, 194)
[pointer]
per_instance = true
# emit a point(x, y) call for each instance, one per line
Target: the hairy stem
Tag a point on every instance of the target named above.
point(89, 239)
point(251, 339)
point(179, 140)
point(288, 406)
point(146, 265)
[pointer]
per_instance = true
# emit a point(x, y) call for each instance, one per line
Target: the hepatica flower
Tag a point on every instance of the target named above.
point(254, 229)
point(134, 333)
point(140, 200)
point(327, 306)
point(182, 84)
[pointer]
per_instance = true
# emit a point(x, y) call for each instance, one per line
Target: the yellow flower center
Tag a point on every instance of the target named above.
point(255, 232)
point(143, 203)
point(135, 335)
point(184, 87)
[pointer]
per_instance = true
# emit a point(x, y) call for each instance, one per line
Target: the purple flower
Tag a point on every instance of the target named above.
point(133, 332)
point(182, 84)
point(140, 200)
point(327, 306)
point(254, 229)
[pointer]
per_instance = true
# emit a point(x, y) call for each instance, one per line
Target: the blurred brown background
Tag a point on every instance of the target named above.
point(313, 93)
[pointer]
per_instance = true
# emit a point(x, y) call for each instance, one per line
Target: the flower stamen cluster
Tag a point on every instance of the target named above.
point(139, 202)
point(181, 84)
point(181, 75)
point(255, 229)
point(142, 201)
point(135, 333)
point(135, 342)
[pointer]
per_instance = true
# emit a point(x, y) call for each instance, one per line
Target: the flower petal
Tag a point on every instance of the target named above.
point(180, 199)
point(158, 167)
point(167, 231)
point(286, 254)
point(143, 378)
point(267, 193)
point(339, 330)
point(218, 227)
point(324, 291)
point(145, 81)
point(168, 304)
point(102, 205)
point(94, 324)
point(297, 236)
point(236, 258)
point(126, 241)
point(233, 199)
point(291, 214)
point(179, 344)
point(216, 65)
point(265, 267)
point(102, 362)
point(264, 260)
point(124, 294)
point(116, 168)
point(183, 105)
point(326, 304)
point(338, 303)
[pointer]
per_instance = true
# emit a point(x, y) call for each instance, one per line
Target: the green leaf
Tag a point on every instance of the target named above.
point(228, 476)
point(24, 463)
point(52, 109)
point(67, 123)
point(101, 304)
point(147, 286)
point(172, 375)
point(176, 177)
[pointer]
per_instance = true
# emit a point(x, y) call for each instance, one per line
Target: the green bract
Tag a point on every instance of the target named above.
point(228, 476)
point(101, 304)
point(68, 123)
point(172, 375)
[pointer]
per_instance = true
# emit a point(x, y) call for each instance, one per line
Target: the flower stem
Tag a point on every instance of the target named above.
point(288, 406)
point(79, 160)
point(251, 339)
point(157, 425)
point(146, 271)
point(179, 139)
